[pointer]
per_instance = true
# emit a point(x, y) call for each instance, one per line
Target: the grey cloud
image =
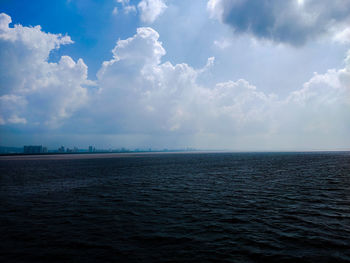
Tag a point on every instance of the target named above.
point(289, 21)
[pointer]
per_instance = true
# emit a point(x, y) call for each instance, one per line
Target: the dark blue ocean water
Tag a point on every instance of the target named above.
point(205, 207)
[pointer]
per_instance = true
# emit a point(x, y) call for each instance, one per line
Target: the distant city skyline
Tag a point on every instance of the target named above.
point(41, 149)
point(232, 75)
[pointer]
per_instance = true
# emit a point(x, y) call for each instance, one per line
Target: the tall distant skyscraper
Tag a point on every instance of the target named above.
point(61, 149)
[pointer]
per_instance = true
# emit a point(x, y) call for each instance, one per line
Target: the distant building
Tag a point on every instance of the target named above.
point(61, 149)
point(4, 149)
point(33, 149)
point(91, 149)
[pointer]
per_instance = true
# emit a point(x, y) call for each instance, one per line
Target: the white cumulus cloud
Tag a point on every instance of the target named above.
point(127, 8)
point(34, 90)
point(342, 36)
point(146, 95)
point(151, 9)
point(140, 96)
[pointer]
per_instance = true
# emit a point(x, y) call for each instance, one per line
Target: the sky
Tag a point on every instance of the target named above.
point(239, 75)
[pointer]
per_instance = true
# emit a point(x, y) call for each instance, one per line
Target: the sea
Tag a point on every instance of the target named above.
point(175, 207)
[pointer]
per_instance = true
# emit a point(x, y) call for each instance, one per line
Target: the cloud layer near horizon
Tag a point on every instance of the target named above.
point(136, 93)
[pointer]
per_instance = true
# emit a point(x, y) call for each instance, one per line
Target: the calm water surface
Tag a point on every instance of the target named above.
point(205, 207)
